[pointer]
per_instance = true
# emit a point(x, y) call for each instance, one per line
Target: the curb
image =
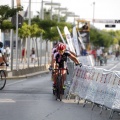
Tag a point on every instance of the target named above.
point(27, 75)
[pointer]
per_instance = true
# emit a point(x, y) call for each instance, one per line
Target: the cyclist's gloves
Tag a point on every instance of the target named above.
point(50, 68)
point(7, 64)
point(80, 64)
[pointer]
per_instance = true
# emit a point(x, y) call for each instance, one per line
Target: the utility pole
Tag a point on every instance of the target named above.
point(11, 39)
point(51, 11)
point(93, 12)
point(28, 40)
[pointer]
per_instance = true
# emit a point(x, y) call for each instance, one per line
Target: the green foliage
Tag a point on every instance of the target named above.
point(36, 31)
point(100, 37)
point(6, 25)
point(24, 31)
point(5, 13)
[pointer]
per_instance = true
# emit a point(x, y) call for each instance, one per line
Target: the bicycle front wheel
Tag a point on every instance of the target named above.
point(59, 88)
point(2, 79)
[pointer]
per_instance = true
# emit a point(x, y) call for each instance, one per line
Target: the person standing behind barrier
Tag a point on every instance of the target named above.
point(99, 53)
point(93, 52)
point(32, 55)
point(24, 52)
point(8, 52)
point(117, 55)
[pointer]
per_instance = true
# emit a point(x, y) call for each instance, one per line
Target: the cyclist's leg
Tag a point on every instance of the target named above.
point(63, 79)
point(55, 76)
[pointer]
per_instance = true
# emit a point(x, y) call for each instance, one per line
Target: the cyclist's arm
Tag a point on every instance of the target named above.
point(73, 53)
point(3, 56)
point(73, 58)
point(53, 63)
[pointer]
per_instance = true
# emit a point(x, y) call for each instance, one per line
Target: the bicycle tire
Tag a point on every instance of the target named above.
point(2, 79)
point(59, 88)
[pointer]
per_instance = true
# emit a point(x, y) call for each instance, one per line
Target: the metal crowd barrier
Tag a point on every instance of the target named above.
point(98, 86)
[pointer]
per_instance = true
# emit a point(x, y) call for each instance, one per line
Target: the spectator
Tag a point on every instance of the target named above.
point(98, 53)
point(117, 55)
point(24, 52)
point(83, 52)
point(8, 52)
point(32, 55)
point(93, 52)
point(105, 58)
point(85, 27)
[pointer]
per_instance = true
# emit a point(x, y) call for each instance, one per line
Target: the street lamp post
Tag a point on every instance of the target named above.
point(0, 26)
point(93, 12)
point(41, 15)
point(60, 9)
point(67, 13)
point(52, 4)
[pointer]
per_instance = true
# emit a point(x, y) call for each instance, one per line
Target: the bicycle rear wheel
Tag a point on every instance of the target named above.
point(2, 79)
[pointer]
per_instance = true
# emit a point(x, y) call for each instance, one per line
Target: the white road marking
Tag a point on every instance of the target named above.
point(16, 82)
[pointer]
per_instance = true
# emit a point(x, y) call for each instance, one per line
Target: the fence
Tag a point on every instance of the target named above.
point(98, 86)
point(25, 66)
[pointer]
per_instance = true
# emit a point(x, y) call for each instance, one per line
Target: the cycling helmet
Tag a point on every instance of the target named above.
point(61, 46)
point(1, 44)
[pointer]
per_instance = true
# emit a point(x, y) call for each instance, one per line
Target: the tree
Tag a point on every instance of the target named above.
point(5, 13)
point(24, 32)
point(35, 32)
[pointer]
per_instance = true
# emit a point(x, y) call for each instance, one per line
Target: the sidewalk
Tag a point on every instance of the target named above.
point(26, 75)
point(24, 71)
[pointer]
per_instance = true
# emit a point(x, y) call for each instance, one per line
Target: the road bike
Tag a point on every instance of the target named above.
point(59, 91)
point(2, 76)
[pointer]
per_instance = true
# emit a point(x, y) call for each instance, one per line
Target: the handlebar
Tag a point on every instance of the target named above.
point(59, 69)
point(4, 64)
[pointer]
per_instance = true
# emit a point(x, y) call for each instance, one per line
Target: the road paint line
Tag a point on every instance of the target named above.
point(114, 66)
point(16, 82)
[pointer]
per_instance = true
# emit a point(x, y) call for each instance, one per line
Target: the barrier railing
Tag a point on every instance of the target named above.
point(98, 86)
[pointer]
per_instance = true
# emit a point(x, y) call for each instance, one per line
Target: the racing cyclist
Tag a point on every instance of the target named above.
point(60, 61)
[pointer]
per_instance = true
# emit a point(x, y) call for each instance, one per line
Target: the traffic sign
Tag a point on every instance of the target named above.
point(110, 26)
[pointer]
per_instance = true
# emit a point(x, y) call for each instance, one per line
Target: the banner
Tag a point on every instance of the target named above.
point(61, 35)
point(85, 36)
point(75, 40)
point(26, 12)
point(69, 39)
point(81, 41)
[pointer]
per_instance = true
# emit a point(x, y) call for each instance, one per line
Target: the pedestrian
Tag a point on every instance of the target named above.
point(99, 55)
point(105, 58)
point(117, 55)
point(93, 52)
point(32, 55)
point(24, 53)
point(8, 52)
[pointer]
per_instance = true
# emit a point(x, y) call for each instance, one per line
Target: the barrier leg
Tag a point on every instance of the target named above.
point(111, 114)
point(93, 105)
point(101, 109)
point(79, 100)
point(84, 103)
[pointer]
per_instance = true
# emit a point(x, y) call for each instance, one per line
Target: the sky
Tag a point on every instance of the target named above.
point(104, 9)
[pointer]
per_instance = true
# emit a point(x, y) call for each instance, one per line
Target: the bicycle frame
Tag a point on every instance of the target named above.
point(59, 83)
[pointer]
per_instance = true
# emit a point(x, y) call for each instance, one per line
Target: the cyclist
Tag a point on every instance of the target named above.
point(54, 50)
point(60, 59)
point(3, 59)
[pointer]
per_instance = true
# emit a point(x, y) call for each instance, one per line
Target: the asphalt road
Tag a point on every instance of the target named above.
point(32, 99)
